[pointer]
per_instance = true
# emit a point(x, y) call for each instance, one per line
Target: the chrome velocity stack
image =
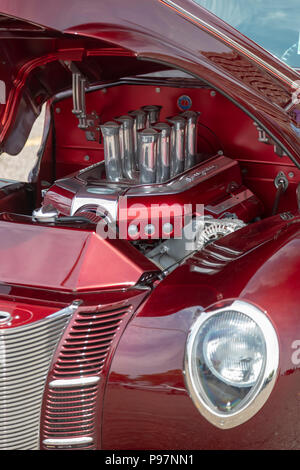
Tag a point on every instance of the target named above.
point(152, 113)
point(177, 152)
point(191, 118)
point(136, 157)
point(163, 152)
point(127, 146)
point(139, 123)
point(112, 153)
point(147, 151)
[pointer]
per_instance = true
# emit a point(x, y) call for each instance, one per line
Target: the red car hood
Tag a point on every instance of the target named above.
point(109, 40)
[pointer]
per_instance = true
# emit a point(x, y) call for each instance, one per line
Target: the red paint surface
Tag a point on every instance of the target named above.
point(66, 259)
point(146, 383)
point(206, 55)
point(222, 126)
point(42, 269)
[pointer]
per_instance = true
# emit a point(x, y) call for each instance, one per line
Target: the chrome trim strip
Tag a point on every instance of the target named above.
point(71, 383)
point(229, 40)
point(68, 442)
point(225, 249)
point(5, 317)
point(211, 264)
point(66, 311)
point(214, 251)
point(202, 270)
point(217, 256)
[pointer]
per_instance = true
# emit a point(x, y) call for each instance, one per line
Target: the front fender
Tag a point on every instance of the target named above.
point(147, 405)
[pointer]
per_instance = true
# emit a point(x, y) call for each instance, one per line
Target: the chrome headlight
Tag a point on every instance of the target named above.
point(231, 363)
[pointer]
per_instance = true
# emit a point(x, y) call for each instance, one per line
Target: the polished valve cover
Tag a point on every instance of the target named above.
point(216, 184)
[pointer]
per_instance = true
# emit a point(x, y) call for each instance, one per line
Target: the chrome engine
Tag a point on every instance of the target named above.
point(140, 149)
point(155, 165)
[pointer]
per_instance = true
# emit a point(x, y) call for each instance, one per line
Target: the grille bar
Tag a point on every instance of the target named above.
point(68, 442)
point(26, 353)
point(74, 383)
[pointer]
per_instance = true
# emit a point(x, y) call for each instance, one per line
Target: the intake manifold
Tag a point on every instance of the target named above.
point(141, 150)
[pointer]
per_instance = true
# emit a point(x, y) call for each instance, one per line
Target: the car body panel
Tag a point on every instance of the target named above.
point(74, 259)
point(141, 399)
point(146, 382)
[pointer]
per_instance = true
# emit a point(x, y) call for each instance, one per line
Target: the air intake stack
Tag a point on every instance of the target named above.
point(138, 149)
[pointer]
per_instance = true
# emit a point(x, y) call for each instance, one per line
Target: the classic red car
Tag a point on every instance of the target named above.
point(149, 274)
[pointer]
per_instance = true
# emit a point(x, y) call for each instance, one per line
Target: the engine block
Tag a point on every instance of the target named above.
point(142, 211)
point(153, 178)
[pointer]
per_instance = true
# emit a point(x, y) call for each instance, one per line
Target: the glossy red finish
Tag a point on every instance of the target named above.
point(142, 401)
point(24, 313)
point(61, 198)
point(34, 65)
point(213, 179)
point(223, 126)
point(214, 62)
point(146, 383)
point(68, 259)
point(236, 136)
point(217, 174)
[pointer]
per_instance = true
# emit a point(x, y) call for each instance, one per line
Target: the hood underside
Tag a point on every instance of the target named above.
point(106, 43)
point(37, 65)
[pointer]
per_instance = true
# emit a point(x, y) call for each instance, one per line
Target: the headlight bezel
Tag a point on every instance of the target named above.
point(261, 390)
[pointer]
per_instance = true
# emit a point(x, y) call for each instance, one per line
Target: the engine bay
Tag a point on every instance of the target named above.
point(167, 178)
point(154, 188)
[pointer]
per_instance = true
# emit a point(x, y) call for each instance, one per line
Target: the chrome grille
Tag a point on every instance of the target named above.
point(25, 356)
point(70, 420)
point(85, 349)
point(71, 414)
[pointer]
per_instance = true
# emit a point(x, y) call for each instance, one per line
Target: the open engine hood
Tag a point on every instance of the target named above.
point(110, 40)
point(37, 64)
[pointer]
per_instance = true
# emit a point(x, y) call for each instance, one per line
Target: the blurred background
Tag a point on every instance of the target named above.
point(17, 167)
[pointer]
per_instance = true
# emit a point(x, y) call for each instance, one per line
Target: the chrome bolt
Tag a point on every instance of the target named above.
point(133, 230)
point(168, 228)
point(149, 229)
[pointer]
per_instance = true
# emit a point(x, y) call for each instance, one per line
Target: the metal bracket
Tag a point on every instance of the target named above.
point(92, 132)
point(281, 181)
point(87, 122)
point(264, 139)
point(46, 214)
